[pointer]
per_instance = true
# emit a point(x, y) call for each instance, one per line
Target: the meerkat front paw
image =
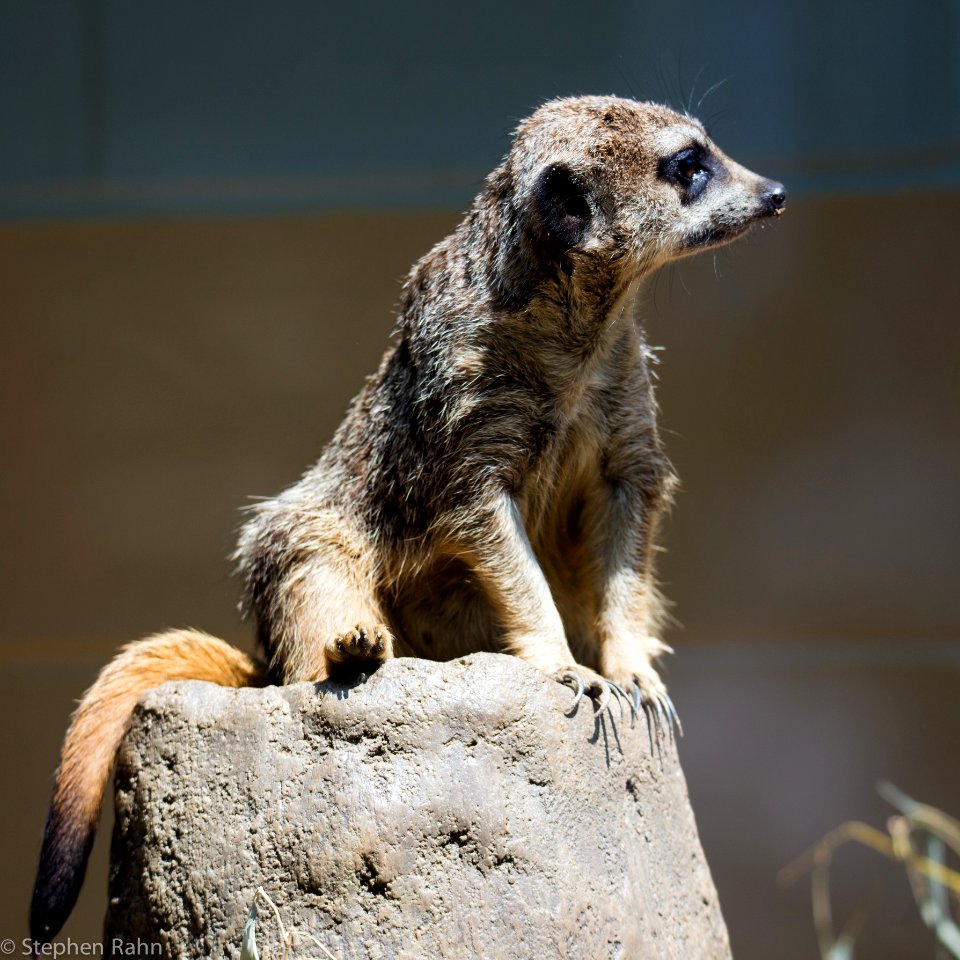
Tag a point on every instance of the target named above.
point(362, 648)
point(649, 694)
point(583, 680)
point(646, 691)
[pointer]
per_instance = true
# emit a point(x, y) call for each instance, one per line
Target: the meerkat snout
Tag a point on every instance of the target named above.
point(774, 197)
point(717, 199)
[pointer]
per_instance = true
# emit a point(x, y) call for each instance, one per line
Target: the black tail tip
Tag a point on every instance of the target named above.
point(48, 914)
point(63, 865)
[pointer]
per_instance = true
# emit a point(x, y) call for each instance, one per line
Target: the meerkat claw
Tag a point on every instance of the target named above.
point(648, 714)
point(675, 723)
point(621, 696)
point(581, 686)
point(658, 708)
point(663, 723)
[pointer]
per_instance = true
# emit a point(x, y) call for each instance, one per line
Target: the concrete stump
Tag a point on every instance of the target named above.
point(452, 810)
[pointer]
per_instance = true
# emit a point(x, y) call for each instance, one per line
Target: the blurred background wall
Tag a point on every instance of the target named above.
point(207, 211)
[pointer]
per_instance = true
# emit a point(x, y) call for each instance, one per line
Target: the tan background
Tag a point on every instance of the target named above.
point(158, 374)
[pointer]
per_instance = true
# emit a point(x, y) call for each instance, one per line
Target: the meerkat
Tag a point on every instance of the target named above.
point(498, 482)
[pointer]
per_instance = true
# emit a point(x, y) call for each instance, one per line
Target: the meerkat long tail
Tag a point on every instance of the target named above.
point(86, 760)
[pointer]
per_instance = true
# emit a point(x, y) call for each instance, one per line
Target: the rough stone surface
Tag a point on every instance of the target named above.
point(436, 810)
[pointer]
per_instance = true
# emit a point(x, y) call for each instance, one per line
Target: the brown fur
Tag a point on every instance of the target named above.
point(497, 484)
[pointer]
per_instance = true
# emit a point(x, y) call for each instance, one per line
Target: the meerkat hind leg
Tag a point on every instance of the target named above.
point(333, 625)
point(364, 648)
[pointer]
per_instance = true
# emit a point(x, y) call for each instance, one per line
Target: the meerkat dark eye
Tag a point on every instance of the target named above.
point(689, 170)
point(562, 203)
point(688, 167)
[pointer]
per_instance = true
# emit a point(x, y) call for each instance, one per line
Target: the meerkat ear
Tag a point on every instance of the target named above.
point(563, 207)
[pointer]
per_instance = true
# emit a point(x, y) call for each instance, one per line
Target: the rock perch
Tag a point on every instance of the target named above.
point(435, 810)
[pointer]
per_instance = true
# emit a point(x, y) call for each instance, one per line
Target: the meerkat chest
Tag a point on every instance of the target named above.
point(605, 424)
point(570, 464)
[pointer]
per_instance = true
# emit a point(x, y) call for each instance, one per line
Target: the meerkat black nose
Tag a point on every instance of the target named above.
point(774, 198)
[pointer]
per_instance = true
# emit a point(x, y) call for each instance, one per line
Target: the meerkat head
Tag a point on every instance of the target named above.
point(602, 180)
